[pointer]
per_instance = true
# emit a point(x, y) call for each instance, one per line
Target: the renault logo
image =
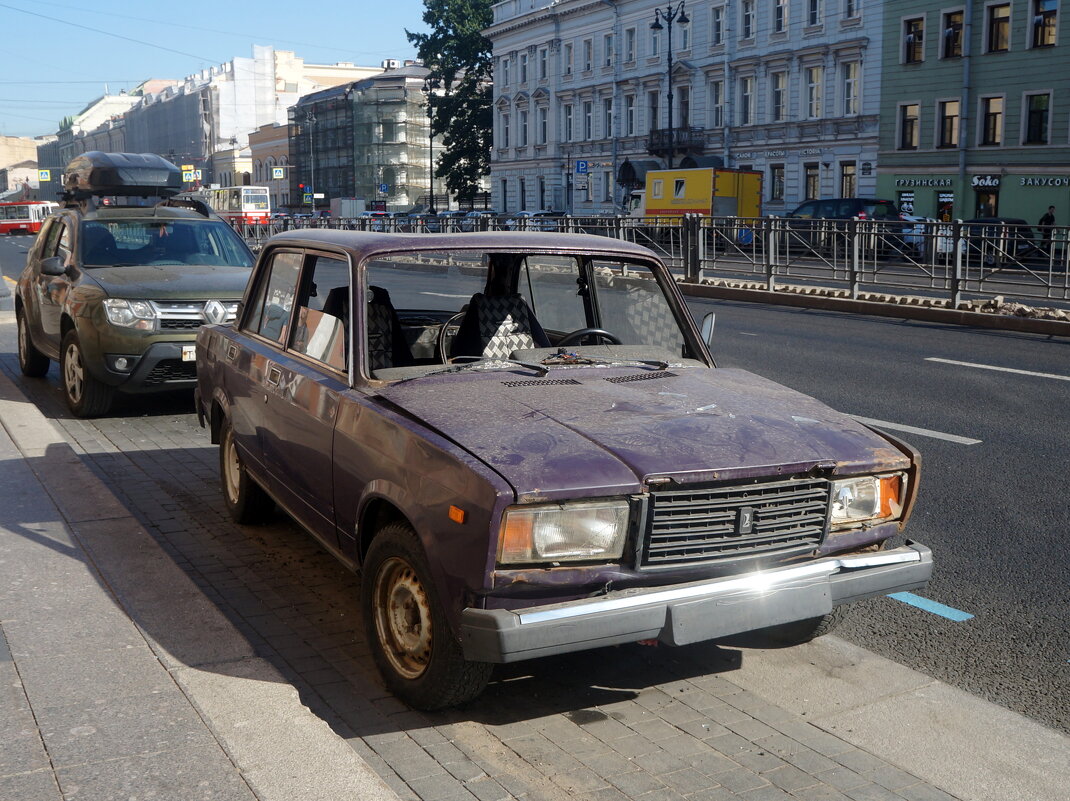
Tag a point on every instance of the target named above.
point(214, 312)
point(745, 520)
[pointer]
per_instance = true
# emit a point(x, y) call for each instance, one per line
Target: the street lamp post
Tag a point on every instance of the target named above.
point(669, 14)
point(310, 120)
point(430, 146)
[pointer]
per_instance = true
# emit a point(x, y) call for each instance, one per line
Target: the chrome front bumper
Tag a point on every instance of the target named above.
point(687, 613)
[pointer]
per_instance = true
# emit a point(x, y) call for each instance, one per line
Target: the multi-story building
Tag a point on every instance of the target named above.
point(367, 139)
point(269, 147)
point(975, 109)
point(787, 88)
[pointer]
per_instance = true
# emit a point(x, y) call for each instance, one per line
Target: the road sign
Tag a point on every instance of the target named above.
point(383, 188)
point(44, 175)
point(196, 175)
point(582, 181)
point(319, 195)
point(581, 168)
point(306, 198)
point(278, 173)
point(187, 167)
point(187, 176)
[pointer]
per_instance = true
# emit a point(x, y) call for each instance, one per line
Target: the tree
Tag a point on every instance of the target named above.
point(459, 58)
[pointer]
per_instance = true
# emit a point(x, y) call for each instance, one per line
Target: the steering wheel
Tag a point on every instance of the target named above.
point(582, 333)
point(440, 341)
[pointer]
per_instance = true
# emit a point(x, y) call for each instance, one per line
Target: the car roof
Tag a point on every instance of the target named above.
point(143, 213)
point(368, 244)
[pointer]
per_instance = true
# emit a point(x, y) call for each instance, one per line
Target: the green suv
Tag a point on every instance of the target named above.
point(116, 294)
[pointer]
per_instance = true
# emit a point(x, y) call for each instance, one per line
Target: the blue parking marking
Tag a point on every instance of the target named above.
point(931, 606)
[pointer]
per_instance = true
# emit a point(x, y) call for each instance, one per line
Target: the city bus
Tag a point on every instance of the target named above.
point(24, 217)
point(244, 204)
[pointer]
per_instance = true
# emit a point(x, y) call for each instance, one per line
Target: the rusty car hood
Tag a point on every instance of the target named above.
point(589, 431)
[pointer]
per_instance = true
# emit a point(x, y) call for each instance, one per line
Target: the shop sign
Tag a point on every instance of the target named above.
point(810, 151)
point(985, 181)
point(923, 182)
point(1061, 180)
point(906, 202)
point(867, 167)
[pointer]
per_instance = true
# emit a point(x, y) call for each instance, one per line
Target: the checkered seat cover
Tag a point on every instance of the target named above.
point(386, 342)
point(505, 325)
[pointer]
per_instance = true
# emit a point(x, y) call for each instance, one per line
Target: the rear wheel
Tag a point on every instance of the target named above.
point(246, 501)
point(32, 362)
point(85, 395)
point(419, 658)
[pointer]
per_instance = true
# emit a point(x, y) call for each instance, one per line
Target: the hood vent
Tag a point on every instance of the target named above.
point(624, 379)
point(540, 382)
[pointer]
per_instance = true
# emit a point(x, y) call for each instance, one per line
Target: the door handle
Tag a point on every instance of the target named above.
point(274, 376)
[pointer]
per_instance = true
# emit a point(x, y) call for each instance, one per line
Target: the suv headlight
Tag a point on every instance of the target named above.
point(138, 314)
point(563, 532)
point(867, 498)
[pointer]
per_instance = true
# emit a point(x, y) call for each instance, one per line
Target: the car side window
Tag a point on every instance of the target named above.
point(50, 238)
point(805, 211)
point(322, 325)
point(63, 248)
point(270, 312)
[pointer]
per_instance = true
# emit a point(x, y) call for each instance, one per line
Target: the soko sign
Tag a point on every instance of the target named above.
point(985, 182)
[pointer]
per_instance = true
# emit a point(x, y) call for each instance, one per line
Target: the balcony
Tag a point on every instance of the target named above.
point(678, 141)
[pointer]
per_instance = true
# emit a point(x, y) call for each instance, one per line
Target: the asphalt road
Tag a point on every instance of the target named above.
point(994, 512)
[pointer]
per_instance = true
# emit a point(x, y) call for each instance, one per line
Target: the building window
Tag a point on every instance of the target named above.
point(505, 72)
point(949, 124)
point(522, 191)
point(607, 186)
point(776, 181)
point(652, 108)
point(780, 16)
point(908, 126)
point(629, 115)
point(542, 192)
point(717, 25)
point(848, 179)
point(1044, 18)
point(813, 12)
point(746, 15)
point(999, 28)
point(746, 101)
point(505, 131)
point(523, 68)
point(778, 83)
point(655, 41)
point(567, 56)
point(849, 77)
point(568, 123)
point(991, 120)
point(607, 118)
point(522, 127)
point(913, 40)
point(811, 180)
point(629, 45)
point(607, 49)
point(814, 78)
point(717, 104)
point(542, 117)
point(683, 105)
point(850, 9)
point(952, 47)
point(588, 55)
point(685, 36)
point(588, 120)
point(543, 59)
point(504, 189)
point(1036, 118)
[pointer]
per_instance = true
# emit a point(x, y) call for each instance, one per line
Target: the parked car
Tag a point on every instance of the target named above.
point(116, 293)
point(539, 220)
point(821, 224)
point(471, 220)
point(1000, 241)
point(522, 442)
point(918, 234)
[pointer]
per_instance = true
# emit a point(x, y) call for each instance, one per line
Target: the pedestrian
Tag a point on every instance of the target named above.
point(1046, 222)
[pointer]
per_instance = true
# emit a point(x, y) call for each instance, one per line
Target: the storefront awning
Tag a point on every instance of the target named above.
point(692, 162)
point(632, 174)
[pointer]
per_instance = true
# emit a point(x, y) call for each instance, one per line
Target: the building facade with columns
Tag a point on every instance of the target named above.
point(790, 88)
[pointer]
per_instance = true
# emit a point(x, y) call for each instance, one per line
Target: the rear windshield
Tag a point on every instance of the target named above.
point(163, 242)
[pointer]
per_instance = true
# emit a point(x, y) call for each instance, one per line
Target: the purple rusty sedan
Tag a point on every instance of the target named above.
point(523, 444)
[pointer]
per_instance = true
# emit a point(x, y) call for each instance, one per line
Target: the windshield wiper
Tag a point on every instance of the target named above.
point(482, 363)
point(577, 360)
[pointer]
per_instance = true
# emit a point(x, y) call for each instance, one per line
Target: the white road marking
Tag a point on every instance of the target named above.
point(1000, 369)
point(921, 432)
point(745, 334)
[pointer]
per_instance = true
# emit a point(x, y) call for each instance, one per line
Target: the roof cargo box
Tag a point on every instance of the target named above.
point(121, 174)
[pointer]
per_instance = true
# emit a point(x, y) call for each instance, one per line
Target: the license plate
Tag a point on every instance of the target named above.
point(189, 353)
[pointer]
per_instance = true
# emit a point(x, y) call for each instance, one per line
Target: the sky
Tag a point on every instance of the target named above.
point(56, 56)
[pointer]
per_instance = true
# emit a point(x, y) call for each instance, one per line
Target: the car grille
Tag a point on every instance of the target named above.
point(189, 315)
point(689, 525)
point(169, 370)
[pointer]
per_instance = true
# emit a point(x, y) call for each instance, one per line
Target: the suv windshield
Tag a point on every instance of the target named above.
point(152, 241)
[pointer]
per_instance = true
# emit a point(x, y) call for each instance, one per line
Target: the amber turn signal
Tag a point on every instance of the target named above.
point(457, 514)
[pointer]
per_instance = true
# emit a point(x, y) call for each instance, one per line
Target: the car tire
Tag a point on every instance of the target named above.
point(85, 395)
point(420, 660)
point(32, 362)
point(246, 501)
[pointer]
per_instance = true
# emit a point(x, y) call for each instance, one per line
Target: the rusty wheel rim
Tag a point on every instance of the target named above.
point(402, 618)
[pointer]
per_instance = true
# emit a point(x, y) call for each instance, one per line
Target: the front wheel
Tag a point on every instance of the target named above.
point(85, 395)
point(32, 362)
point(417, 655)
point(795, 633)
point(246, 501)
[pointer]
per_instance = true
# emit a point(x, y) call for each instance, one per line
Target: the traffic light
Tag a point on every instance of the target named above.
point(301, 187)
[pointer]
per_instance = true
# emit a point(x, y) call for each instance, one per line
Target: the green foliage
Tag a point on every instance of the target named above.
point(460, 62)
